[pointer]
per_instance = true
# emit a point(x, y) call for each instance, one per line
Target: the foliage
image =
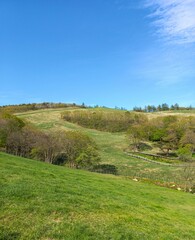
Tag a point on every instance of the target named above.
point(8, 125)
point(137, 133)
point(87, 158)
point(65, 147)
point(21, 142)
point(59, 147)
point(169, 133)
point(188, 138)
point(111, 121)
point(111, 146)
point(185, 152)
point(162, 107)
point(47, 147)
point(105, 168)
point(37, 106)
point(80, 150)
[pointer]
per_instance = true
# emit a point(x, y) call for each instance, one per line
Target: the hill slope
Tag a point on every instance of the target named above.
point(41, 201)
point(111, 145)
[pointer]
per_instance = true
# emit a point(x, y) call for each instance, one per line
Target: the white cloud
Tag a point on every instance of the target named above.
point(174, 19)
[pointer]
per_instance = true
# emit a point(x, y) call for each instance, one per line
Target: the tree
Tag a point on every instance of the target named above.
point(159, 108)
point(176, 106)
point(185, 152)
point(21, 143)
point(87, 158)
point(8, 125)
point(14, 123)
point(48, 147)
point(76, 149)
point(166, 132)
point(188, 139)
point(3, 132)
point(170, 139)
point(165, 107)
point(136, 134)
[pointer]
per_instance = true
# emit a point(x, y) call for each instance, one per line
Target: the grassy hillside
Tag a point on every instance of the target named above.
point(186, 113)
point(42, 201)
point(111, 146)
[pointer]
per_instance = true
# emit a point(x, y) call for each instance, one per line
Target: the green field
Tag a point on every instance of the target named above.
point(111, 146)
point(42, 201)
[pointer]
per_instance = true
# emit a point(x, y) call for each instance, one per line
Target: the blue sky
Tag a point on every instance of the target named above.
point(122, 53)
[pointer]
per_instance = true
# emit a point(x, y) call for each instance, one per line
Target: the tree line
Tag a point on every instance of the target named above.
point(161, 107)
point(37, 106)
point(170, 134)
point(71, 148)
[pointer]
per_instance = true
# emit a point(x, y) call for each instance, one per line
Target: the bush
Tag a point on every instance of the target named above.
point(111, 121)
point(105, 168)
point(185, 153)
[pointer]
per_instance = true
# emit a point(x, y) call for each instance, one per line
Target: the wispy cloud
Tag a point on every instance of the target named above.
point(174, 20)
point(165, 67)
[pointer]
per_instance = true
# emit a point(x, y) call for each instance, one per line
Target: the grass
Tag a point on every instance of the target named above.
point(160, 159)
point(186, 113)
point(111, 146)
point(42, 201)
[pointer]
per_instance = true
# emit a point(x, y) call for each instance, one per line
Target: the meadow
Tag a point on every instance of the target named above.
point(112, 146)
point(44, 201)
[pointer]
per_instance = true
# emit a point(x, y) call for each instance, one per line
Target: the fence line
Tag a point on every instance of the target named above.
point(159, 163)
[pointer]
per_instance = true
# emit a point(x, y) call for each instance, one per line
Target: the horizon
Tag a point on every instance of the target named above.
point(108, 53)
point(154, 108)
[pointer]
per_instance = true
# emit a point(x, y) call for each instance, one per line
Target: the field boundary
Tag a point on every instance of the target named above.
point(152, 161)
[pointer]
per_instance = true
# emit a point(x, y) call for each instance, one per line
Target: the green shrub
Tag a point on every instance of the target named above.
point(105, 168)
point(111, 121)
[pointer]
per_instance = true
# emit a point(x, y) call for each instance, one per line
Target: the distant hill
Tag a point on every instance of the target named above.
point(37, 106)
